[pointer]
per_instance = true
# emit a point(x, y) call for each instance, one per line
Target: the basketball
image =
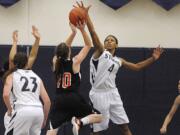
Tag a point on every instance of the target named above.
point(76, 15)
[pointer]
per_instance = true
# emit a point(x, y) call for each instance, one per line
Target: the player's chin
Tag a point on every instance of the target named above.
point(109, 48)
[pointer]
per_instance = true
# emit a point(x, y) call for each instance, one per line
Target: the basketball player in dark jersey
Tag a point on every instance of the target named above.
point(68, 102)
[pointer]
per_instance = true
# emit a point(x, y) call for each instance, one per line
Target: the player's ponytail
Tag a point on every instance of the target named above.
point(8, 73)
point(4, 68)
point(62, 53)
point(20, 61)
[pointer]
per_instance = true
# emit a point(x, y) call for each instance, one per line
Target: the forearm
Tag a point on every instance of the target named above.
point(90, 25)
point(145, 63)
point(167, 121)
point(46, 110)
point(7, 102)
point(33, 54)
point(12, 53)
point(70, 39)
point(86, 38)
point(95, 39)
point(35, 47)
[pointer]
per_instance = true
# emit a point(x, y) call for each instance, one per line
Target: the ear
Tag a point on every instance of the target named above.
point(116, 45)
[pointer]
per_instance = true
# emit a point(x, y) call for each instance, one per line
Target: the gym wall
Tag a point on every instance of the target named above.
point(147, 95)
point(140, 23)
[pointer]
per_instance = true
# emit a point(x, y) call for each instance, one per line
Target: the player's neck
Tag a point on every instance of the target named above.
point(112, 52)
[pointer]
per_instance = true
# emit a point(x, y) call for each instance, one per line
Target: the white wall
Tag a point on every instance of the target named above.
point(141, 23)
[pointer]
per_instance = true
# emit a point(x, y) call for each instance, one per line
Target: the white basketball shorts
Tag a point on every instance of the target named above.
point(109, 103)
point(27, 120)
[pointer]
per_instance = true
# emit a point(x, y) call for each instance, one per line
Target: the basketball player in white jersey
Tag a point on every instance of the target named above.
point(13, 51)
point(103, 68)
point(29, 116)
point(171, 113)
point(31, 60)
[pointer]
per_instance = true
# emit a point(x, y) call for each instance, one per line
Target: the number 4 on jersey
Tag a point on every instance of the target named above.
point(111, 68)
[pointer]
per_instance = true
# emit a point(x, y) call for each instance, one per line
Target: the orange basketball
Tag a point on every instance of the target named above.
point(76, 15)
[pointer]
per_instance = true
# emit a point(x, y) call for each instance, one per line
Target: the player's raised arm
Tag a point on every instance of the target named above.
point(87, 44)
point(13, 50)
point(70, 38)
point(145, 63)
point(34, 51)
point(99, 48)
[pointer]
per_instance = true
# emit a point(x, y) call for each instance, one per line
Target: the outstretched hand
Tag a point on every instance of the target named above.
point(80, 25)
point(157, 52)
point(35, 32)
point(81, 5)
point(15, 36)
point(163, 131)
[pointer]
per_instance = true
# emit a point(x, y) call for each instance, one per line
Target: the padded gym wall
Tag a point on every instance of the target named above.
point(147, 95)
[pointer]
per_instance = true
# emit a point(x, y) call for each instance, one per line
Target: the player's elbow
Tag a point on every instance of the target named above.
point(89, 46)
point(47, 102)
point(5, 96)
point(137, 67)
